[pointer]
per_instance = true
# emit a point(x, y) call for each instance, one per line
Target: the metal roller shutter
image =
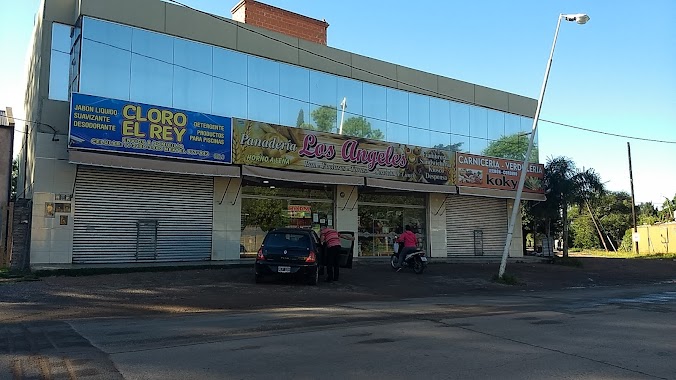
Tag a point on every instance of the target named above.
point(467, 214)
point(124, 216)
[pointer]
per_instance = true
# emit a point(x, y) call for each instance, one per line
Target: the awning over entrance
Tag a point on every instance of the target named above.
point(410, 186)
point(476, 191)
point(295, 176)
point(138, 163)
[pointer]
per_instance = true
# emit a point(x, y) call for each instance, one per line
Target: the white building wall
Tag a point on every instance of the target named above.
point(227, 218)
point(51, 241)
point(436, 212)
point(516, 247)
point(346, 211)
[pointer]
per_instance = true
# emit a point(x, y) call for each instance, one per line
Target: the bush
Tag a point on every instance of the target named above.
point(627, 241)
point(507, 279)
point(567, 261)
point(575, 249)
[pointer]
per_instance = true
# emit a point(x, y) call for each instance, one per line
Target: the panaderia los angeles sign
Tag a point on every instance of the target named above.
point(497, 173)
point(275, 146)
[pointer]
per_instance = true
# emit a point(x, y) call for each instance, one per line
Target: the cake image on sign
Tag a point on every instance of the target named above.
point(470, 175)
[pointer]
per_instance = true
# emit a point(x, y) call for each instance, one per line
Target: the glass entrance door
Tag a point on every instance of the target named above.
point(380, 224)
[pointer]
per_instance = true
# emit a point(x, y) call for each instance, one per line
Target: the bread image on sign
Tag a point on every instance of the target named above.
point(470, 176)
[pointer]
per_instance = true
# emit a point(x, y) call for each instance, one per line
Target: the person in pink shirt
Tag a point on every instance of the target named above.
point(330, 238)
point(409, 241)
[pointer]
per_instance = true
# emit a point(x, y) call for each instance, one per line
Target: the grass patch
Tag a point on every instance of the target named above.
point(6, 274)
point(624, 255)
point(567, 261)
point(507, 279)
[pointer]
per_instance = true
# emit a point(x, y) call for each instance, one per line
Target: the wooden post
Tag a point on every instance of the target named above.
point(3, 234)
point(7, 257)
point(633, 202)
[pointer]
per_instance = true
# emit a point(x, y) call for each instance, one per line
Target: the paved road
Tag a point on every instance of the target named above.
point(589, 333)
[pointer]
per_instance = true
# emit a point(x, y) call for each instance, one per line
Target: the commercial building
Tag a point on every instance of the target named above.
point(165, 134)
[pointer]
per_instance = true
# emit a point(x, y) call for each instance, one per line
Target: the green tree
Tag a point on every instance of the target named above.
point(325, 119)
point(457, 147)
point(360, 127)
point(612, 217)
point(513, 147)
point(666, 214)
point(15, 178)
point(646, 213)
point(300, 120)
point(264, 213)
point(566, 186)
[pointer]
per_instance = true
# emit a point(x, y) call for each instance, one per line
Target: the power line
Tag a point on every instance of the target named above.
point(609, 133)
point(222, 19)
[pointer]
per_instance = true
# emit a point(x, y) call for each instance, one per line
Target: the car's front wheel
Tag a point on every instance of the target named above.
point(313, 278)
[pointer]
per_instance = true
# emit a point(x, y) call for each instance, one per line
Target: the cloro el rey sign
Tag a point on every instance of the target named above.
point(275, 146)
point(497, 173)
point(116, 125)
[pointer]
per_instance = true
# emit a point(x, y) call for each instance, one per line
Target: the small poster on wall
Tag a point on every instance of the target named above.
point(49, 210)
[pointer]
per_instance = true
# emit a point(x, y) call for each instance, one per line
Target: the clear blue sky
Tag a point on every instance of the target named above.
point(616, 74)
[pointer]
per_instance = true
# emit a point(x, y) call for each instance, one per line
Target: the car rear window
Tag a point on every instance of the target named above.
point(287, 240)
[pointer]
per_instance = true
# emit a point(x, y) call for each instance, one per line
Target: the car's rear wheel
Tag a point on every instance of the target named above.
point(313, 278)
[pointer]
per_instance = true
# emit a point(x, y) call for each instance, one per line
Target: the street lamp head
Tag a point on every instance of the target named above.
point(580, 18)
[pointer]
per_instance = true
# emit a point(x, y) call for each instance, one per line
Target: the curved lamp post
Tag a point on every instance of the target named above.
point(580, 18)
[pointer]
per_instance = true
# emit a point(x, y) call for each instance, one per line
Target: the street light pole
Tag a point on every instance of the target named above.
point(580, 19)
point(343, 105)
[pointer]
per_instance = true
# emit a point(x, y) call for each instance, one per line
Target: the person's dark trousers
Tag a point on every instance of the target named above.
point(332, 258)
point(403, 252)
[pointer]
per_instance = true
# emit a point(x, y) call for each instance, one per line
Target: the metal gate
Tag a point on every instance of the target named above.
point(475, 226)
point(123, 216)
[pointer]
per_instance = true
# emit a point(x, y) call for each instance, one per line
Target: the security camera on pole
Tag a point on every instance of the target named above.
point(580, 19)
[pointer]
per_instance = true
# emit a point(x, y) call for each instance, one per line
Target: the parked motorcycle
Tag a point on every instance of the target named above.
point(415, 260)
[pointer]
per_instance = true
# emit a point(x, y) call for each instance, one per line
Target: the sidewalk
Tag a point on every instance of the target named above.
point(197, 290)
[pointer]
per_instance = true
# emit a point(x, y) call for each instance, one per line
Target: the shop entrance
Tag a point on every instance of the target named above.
point(267, 205)
point(383, 216)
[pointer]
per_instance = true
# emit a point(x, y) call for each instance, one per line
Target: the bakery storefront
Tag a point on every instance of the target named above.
point(302, 178)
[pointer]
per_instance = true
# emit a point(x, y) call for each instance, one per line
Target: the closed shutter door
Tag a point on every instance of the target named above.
point(123, 216)
point(467, 214)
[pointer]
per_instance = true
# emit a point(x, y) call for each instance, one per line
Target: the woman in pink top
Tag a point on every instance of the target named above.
point(410, 245)
point(331, 240)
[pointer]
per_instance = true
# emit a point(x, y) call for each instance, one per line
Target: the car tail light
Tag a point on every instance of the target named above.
point(311, 258)
point(260, 256)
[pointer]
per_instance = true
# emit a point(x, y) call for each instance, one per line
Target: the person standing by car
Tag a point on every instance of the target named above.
point(409, 241)
point(330, 238)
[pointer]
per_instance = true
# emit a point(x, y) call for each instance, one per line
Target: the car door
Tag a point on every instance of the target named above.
point(346, 250)
point(319, 250)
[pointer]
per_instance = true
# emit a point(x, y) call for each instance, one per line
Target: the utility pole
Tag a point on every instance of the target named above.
point(633, 207)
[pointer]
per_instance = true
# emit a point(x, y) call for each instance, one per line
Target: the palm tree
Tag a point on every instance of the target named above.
point(566, 185)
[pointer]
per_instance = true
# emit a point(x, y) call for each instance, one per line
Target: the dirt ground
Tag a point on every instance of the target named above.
point(153, 293)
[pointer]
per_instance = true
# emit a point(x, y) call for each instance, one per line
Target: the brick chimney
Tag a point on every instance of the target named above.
point(279, 20)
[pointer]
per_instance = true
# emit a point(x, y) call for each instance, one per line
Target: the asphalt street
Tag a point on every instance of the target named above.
point(606, 319)
point(614, 332)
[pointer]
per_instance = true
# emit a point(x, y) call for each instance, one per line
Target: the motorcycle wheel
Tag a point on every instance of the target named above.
point(394, 261)
point(418, 266)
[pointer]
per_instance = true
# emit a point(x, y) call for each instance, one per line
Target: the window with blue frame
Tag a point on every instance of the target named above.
point(128, 63)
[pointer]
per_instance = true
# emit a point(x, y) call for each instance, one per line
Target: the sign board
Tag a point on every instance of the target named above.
point(299, 211)
point(274, 146)
point(497, 173)
point(128, 127)
point(635, 237)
